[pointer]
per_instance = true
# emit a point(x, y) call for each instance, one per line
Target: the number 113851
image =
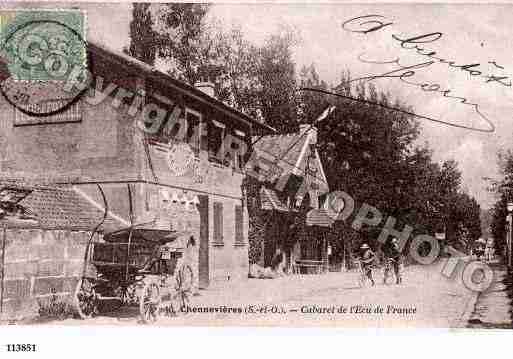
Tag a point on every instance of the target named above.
point(21, 347)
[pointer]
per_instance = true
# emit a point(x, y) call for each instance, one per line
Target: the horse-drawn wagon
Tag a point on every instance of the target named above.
point(137, 267)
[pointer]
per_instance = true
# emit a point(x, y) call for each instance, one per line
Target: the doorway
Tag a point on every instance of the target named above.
point(204, 246)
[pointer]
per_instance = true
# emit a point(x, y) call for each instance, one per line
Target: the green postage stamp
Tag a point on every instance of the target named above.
point(42, 45)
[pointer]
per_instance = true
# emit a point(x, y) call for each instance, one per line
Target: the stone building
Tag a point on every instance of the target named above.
point(179, 171)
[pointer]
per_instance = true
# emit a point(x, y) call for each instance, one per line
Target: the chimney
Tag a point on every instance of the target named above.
point(206, 87)
point(312, 132)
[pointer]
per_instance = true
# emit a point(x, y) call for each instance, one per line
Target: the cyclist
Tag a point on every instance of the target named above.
point(392, 256)
point(367, 258)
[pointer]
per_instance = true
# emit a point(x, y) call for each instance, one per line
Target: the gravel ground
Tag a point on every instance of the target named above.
point(425, 299)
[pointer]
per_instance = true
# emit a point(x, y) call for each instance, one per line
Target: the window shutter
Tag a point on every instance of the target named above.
point(218, 222)
point(239, 233)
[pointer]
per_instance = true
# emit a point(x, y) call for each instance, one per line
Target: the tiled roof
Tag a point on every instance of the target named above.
point(286, 147)
point(289, 153)
point(62, 208)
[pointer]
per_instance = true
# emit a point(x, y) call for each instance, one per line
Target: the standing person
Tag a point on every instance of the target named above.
point(393, 255)
point(277, 262)
point(367, 258)
point(190, 258)
point(192, 248)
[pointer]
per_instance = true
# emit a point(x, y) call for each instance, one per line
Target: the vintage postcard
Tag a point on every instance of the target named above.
point(280, 165)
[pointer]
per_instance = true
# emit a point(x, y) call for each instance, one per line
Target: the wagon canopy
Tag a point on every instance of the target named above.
point(144, 235)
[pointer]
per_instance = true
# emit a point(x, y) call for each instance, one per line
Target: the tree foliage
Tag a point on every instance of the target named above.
point(504, 191)
point(143, 38)
point(258, 80)
point(371, 153)
point(277, 78)
point(183, 41)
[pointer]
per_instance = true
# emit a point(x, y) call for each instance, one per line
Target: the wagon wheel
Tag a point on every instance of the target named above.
point(130, 294)
point(86, 299)
point(150, 303)
point(183, 288)
point(127, 294)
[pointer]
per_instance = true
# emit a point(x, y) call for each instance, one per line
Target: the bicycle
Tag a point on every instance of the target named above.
point(363, 279)
point(389, 273)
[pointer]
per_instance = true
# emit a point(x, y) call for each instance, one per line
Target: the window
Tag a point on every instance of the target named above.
point(193, 134)
point(233, 149)
point(238, 148)
point(172, 130)
point(218, 223)
point(215, 141)
point(204, 136)
point(230, 149)
point(236, 160)
point(239, 225)
point(72, 113)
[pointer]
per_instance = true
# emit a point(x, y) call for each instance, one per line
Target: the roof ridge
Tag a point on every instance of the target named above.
point(173, 82)
point(291, 134)
point(32, 186)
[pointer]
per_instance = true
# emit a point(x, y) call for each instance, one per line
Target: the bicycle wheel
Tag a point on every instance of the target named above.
point(361, 281)
point(388, 276)
point(400, 275)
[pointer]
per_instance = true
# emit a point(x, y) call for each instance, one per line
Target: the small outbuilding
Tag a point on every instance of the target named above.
point(44, 236)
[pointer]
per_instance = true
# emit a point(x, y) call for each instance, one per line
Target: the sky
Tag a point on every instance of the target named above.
point(471, 34)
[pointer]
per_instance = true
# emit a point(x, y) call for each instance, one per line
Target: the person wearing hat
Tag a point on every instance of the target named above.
point(161, 249)
point(393, 254)
point(367, 258)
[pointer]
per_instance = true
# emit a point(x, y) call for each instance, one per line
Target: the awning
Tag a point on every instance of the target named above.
point(318, 217)
point(270, 201)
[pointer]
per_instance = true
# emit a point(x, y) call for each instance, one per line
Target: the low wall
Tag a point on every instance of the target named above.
point(39, 267)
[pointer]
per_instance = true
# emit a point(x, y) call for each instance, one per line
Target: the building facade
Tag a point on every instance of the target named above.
point(166, 155)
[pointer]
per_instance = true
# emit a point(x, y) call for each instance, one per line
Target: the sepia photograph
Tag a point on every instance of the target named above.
point(255, 165)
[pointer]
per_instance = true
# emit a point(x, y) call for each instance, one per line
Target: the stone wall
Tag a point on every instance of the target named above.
point(229, 259)
point(93, 149)
point(39, 265)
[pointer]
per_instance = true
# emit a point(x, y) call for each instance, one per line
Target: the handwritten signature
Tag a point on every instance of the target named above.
point(371, 23)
